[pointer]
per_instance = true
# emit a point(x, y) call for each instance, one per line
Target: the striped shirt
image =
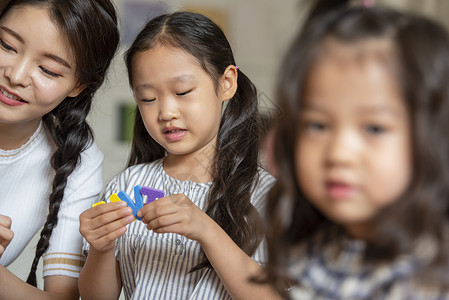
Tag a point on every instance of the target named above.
point(156, 266)
point(337, 270)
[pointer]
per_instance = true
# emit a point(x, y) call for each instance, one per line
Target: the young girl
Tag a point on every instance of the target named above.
point(196, 242)
point(360, 209)
point(53, 58)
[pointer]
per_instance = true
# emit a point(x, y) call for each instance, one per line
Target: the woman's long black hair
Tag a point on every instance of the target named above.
point(90, 27)
point(421, 50)
point(235, 165)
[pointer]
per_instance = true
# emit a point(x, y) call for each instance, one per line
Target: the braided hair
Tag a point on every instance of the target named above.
point(90, 27)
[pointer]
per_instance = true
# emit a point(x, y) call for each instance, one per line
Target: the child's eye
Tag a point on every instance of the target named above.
point(46, 71)
point(183, 93)
point(148, 100)
point(315, 126)
point(375, 129)
point(6, 46)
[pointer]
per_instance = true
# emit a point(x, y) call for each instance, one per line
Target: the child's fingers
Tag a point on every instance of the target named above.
point(107, 242)
point(103, 208)
point(93, 228)
point(173, 202)
point(149, 213)
point(103, 238)
point(171, 228)
point(164, 221)
point(109, 229)
point(111, 236)
point(112, 216)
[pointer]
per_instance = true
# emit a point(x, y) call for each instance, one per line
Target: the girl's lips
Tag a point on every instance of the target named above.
point(338, 190)
point(10, 99)
point(174, 134)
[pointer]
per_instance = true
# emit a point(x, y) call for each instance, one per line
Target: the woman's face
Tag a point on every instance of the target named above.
point(37, 70)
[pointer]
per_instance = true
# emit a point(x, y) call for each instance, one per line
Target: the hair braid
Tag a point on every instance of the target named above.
point(72, 135)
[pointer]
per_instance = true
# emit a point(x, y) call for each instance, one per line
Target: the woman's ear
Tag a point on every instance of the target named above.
point(228, 83)
point(77, 90)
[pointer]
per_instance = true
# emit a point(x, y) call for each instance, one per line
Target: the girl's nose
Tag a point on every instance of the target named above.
point(19, 73)
point(342, 148)
point(167, 109)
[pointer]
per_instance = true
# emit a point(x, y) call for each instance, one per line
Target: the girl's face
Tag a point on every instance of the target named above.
point(177, 99)
point(353, 152)
point(37, 71)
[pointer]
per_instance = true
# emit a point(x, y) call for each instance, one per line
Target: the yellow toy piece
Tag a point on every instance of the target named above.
point(115, 198)
point(98, 203)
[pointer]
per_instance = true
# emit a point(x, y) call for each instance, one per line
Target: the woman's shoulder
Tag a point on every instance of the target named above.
point(92, 152)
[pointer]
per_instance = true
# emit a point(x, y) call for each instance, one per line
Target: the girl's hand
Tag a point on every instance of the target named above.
point(103, 224)
point(6, 233)
point(176, 214)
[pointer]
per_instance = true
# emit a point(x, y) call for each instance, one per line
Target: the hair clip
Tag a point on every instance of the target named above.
point(236, 67)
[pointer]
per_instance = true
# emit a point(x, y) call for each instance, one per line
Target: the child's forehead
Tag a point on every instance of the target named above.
point(361, 51)
point(346, 73)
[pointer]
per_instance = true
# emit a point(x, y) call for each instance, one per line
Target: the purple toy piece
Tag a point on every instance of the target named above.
point(151, 193)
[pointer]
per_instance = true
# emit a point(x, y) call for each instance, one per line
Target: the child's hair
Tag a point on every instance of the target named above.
point(90, 27)
point(421, 53)
point(235, 163)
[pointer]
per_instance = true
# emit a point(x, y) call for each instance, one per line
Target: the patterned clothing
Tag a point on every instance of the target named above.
point(25, 185)
point(331, 270)
point(156, 266)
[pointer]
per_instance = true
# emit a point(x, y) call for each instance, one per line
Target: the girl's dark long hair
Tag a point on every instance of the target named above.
point(236, 160)
point(90, 27)
point(421, 50)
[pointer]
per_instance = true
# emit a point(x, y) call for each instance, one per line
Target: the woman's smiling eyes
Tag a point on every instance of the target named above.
point(48, 72)
point(6, 46)
point(45, 70)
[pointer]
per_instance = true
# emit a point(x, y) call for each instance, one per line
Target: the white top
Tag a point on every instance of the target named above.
point(156, 266)
point(25, 185)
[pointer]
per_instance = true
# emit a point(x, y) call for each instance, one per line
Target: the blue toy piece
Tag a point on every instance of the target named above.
point(137, 204)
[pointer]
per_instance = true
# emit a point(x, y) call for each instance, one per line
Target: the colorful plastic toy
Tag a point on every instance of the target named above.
point(137, 204)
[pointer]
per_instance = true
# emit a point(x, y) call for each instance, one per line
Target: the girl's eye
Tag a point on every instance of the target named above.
point(148, 100)
point(46, 71)
point(315, 126)
point(184, 93)
point(6, 46)
point(375, 129)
